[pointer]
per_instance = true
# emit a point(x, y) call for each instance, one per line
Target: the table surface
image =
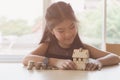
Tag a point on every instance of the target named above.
point(16, 71)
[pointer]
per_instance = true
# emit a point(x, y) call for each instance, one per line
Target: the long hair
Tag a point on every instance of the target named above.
point(55, 14)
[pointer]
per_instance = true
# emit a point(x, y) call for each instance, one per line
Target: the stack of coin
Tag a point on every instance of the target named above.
point(30, 65)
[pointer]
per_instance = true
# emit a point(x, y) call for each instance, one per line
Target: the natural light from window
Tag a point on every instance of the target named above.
point(20, 26)
point(21, 23)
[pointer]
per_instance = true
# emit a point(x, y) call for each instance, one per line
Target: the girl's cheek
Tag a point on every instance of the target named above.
point(60, 36)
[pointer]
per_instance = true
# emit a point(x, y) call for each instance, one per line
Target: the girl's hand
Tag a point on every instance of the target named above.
point(65, 64)
point(93, 65)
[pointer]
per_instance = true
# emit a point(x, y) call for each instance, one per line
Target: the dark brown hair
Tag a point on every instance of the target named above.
point(55, 14)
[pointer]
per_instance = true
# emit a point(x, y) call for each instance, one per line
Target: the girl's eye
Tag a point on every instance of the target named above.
point(60, 31)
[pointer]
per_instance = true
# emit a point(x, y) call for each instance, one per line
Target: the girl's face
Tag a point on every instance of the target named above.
point(65, 33)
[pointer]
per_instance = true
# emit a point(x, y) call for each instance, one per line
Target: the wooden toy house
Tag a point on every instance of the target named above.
point(80, 58)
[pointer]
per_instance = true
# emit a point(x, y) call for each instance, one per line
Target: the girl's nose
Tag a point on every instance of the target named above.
point(68, 34)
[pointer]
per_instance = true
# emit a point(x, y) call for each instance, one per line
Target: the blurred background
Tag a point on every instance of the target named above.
point(22, 23)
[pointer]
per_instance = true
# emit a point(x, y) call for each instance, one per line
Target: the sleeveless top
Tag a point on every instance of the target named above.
point(56, 51)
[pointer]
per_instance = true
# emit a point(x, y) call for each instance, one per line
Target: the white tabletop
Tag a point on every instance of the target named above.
point(16, 71)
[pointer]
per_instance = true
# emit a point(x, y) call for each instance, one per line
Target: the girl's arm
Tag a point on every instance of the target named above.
point(106, 58)
point(37, 55)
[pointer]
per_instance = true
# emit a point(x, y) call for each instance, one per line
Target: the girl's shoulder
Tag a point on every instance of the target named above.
point(44, 44)
point(41, 49)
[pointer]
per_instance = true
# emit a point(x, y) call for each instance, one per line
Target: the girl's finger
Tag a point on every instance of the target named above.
point(99, 67)
point(94, 67)
point(72, 65)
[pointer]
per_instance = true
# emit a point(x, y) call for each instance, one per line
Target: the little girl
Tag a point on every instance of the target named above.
point(61, 37)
